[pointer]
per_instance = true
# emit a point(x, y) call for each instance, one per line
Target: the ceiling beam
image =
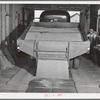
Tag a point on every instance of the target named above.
point(68, 7)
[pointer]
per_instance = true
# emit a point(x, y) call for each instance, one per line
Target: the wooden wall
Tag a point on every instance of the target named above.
point(29, 14)
point(88, 18)
point(0, 23)
point(10, 19)
point(85, 21)
point(93, 17)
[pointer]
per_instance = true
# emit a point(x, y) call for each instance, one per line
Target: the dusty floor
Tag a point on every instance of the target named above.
point(86, 79)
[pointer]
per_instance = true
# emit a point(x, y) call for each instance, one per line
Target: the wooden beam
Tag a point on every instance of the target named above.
point(23, 16)
point(7, 22)
point(3, 22)
point(77, 7)
point(10, 18)
point(0, 33)
point(0, 23)
point(13, 16)
point(93, 16)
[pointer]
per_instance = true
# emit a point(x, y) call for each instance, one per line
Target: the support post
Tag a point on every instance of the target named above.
point(0, 23)
point(3, 23)
point(23, 16)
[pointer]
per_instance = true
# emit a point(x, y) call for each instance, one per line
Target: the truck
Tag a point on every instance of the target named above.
point(55, 43)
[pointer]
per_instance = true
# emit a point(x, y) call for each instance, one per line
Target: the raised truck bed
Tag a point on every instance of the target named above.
point(55, 46)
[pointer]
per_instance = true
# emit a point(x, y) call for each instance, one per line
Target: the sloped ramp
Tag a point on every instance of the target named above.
point(43, 85)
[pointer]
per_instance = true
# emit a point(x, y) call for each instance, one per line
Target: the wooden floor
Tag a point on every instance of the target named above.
point(51, 86)
point(86, 79)
point(16, 79)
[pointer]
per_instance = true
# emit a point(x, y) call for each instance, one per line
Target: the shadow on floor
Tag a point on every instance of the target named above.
point(24, 61)
point(44, 85)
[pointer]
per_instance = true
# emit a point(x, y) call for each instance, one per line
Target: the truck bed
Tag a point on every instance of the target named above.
point(55, 37)
point(53, 34)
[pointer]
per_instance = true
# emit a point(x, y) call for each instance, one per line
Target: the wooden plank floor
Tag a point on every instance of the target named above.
point(16, 79)
point(86, 79)
point(8, 74)
point(51, 86)
point(16, 82)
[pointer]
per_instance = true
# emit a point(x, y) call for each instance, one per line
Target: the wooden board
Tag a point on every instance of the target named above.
point(55, 24)
point(3, 23)
point(53, 55)
point(31, 35)
point(78, 48)
point(54, 69)
point(52, 50)
point(0, 23)
point(7, 20)
point(22, 77)
point(27, 46)
point(53, 37)
point(24, 33)
point(52, 46)
point(59, 37)
point(57, 30)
